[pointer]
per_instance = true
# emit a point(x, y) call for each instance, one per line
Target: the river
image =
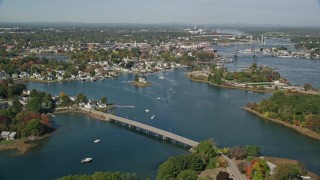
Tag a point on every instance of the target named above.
point(195, 110)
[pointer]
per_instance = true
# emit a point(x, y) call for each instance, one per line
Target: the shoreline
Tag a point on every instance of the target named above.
point(304, 131)
point(22, 146)
point(140, 84)
point(230, 87)
point(89, 112)
point(278, 161)
point(250, 89)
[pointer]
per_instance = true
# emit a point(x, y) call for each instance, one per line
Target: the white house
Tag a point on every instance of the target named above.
point(5, 135)
point(12, 135)
point(142, 79)
point(91, 105)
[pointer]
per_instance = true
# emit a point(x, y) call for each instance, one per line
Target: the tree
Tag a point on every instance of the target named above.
point(238, 152)
point(187, 175)
point(285, 171)
point(136, 77)
point(308, 87)
point(34, 127)
point(104, 100)
point(34, 104)
point(81, 98)
point(195, 162)
point(207, 150)
point(253, 150)
point(16, 105)
point(171, 168)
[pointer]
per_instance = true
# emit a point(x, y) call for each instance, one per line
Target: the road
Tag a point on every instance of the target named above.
point(234, 169)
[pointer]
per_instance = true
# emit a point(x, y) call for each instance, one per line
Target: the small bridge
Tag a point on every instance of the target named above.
point(140, 126)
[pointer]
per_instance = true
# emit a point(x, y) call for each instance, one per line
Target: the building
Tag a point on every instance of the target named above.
point(8, 136)
point(5, 135)
point(12, 135)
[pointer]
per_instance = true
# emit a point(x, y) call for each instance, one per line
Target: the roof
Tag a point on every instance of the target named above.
point(5, 133)
point(12, 134)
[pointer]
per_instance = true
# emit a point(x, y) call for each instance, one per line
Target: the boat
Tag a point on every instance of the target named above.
point(161, 77)
point(158, 98)
point(147, 110)
point(153, 116)
point(86, 160)
point(97, 140)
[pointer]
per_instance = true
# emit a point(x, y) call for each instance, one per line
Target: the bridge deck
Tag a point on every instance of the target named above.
point(154, 130)
point(136, 124)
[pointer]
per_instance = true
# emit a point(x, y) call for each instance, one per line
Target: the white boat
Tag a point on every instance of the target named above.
point(158, 98)
point(153, 116)
point(86, 160)
point(97, 140)
point(147, 110)
point(161, 77)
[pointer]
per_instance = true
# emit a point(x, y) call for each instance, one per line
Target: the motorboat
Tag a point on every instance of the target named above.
point(97, 140)
point(152, 117)
point(147, 110)
point(158, 98)
point(86, 160)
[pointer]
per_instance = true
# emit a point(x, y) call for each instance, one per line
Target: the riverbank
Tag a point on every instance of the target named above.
point(34, 80)
point(22, 145)
point(301, 130)
point(88, 112)
point(278, 161)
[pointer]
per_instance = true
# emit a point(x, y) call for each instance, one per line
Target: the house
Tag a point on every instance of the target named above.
point(5, 134)
point(142, 79)
point(91, 105)
point(26, 92)
point(101, 105)
point(12, 135)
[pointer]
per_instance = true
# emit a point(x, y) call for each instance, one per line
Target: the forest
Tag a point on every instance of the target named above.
point(296, 108)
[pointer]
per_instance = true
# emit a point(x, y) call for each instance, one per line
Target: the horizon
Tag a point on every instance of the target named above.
point(230, 12)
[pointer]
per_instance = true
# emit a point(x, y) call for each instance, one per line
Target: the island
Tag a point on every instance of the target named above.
point(253, 78)
point(140, 81)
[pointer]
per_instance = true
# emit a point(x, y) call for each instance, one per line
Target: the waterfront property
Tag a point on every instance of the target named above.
point(8, 135)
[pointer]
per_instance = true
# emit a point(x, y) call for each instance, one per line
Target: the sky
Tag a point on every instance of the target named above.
point(276, 12)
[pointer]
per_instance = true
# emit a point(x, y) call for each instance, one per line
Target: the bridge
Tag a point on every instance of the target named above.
point(236, 174)
point(142, 127)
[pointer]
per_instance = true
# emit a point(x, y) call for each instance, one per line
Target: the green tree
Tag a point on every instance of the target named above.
point(16, 105)
point(81, 98)
point(34, 104)
point(136, 77)
point(308, 87)
point(187, 175)
point(206, 149)
point(285, 171)
point(253, 150)
point(34, 127)
point(104, 100)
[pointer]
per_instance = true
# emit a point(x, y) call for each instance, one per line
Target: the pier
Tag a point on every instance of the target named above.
point(142, 127)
